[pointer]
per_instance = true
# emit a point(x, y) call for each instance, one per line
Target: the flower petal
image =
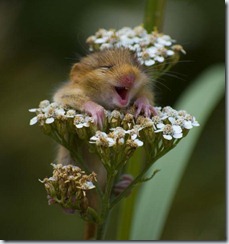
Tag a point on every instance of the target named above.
point(33, 110)
point(187, 124)
point(177, 129)
point(49, 120)
point(149, 62)
point(33, 121)
point(138, 142)
point(160, 126)
point(177, 135)
point(167, 137)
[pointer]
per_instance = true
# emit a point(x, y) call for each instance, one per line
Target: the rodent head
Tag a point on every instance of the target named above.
point(110, 77)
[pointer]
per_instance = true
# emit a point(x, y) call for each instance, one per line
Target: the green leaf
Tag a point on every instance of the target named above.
point(156, 196)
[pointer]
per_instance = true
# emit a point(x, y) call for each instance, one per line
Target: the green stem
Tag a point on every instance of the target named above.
point(105, 207)
point(154, 15)
point(125, 215)
point(139, 177)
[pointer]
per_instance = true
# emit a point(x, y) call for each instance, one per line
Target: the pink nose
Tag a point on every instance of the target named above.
point(127, 80)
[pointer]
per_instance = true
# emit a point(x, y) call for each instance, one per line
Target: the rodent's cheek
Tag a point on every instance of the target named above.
point(107, 98)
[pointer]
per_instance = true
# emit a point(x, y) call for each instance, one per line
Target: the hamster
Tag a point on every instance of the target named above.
point(106, 79)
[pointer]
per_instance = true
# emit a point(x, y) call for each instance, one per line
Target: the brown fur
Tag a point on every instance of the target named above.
point(94, 79)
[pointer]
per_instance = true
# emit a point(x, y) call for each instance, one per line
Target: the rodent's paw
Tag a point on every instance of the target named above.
point(143, 105)
point(122, 184)
point(96, 111)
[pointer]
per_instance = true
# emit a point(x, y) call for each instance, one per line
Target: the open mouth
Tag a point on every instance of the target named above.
point(122, 92)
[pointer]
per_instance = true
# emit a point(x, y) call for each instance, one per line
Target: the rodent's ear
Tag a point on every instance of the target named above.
point(75, 71)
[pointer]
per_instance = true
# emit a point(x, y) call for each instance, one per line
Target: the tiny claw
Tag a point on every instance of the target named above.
point(153, 111)
point(144, 106)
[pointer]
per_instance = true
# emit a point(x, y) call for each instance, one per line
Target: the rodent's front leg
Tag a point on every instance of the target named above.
point(96, 111)
point(75, 97)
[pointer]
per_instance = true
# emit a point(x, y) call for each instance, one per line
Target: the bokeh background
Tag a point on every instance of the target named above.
point(39, 41)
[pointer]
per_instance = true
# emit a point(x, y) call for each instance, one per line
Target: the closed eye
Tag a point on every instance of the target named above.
point(106, 67)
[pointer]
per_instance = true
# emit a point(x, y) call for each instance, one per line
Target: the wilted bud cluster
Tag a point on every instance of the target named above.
point(68, 187)
point(151, 49)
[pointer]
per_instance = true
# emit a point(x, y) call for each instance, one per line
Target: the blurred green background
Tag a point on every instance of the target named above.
point(39, 41)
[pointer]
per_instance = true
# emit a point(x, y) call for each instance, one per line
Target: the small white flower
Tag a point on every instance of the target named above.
point(157, 121)
point(184, 120)
point(59, 113)
point(101, 40)
point(187, 124)
point(49, 120)
point(120, 141)
point(170, 52)
point(106, 46)
point(118, 132)
point(136, 48)
point(80, 121)
point(87, 185)
point(134, 143)
point(126, 41)
point(138, 142)
point(33, 121)
point(152, 51)
point(156, 45)
point(70, 113)
point(169, 112)
point(118, 135)
point(125, 31)
point(171, 131)
point(33, 110)
point(133, 136)
point(140, 31)
point(167, 137)
point(194, 122)
point(44, 104)
point(177, 131)
point(39, 117)
point(149, 62)
point(164, 40)
point(160, 59)
point(49, 111)
point(102, 139)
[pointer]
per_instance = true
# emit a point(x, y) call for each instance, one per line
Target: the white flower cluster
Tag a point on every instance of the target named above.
point(48, 112)
point(68, 186)
point(117, 137)
point(122, 127)
point(150, 48)
point(176, 122)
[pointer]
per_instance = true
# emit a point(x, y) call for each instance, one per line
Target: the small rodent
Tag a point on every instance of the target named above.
point(106, 79)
